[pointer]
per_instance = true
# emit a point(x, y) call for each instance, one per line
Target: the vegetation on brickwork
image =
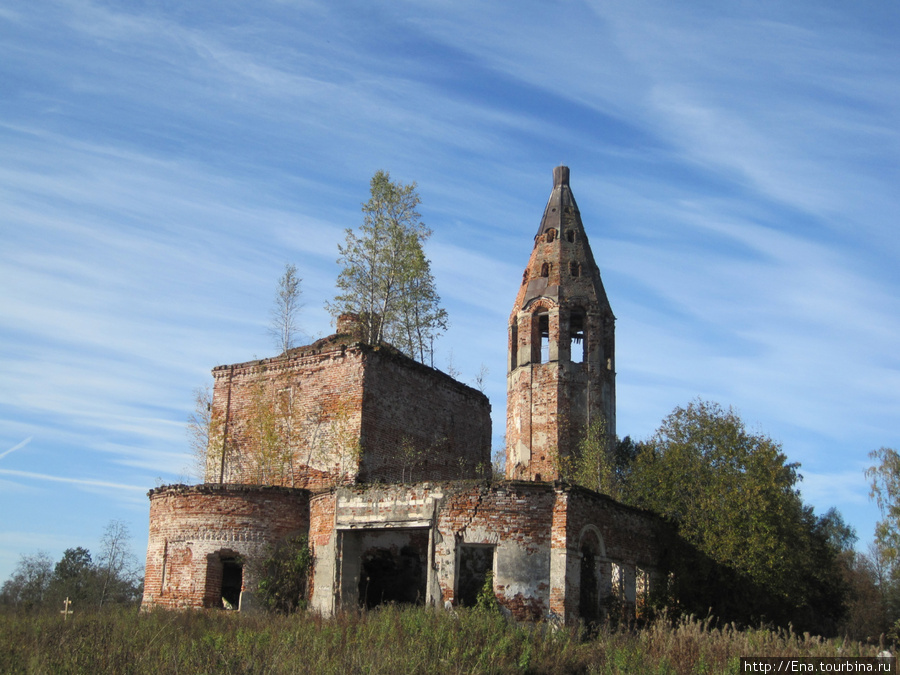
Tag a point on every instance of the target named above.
point(388, 640)
point(274, 437)
point(335, 444)
point(593, 464)
point(267, 435)
point(283, 575)
point(385, 278)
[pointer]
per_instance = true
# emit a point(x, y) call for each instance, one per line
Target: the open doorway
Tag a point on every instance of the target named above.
point(232, 581)
point(385, 566)
point(391, 575)
point(224, 580)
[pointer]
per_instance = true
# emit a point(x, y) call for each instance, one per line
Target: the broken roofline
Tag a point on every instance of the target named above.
point(343, 343)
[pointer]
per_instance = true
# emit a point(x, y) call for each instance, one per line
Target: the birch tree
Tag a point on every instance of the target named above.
point(285, 312)
point(385, 278)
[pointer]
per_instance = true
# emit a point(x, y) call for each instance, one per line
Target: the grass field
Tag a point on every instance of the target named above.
point(390, 640)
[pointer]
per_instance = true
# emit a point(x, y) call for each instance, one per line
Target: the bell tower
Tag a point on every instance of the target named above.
point(561, 357)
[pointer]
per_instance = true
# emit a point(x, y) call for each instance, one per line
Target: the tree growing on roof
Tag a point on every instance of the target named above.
point(385, 278)
point(284, 325)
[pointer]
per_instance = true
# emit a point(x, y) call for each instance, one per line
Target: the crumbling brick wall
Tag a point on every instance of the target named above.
point(513, 518)
point(420, 424)
point(561, 345)
point(193, 528)
point(336, 412)
point(628, 550)
point(321, 583)
point(291, 420)
point(530, 536)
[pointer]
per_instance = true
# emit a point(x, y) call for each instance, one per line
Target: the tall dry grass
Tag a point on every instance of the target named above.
point(390, 640)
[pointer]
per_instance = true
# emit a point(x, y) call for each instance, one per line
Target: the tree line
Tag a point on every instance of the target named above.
point(751, 550)
point(114, 578)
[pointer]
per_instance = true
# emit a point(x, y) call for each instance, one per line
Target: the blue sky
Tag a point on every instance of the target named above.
point(736, 165)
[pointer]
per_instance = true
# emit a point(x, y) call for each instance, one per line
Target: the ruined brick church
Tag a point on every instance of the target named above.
point(384, 463)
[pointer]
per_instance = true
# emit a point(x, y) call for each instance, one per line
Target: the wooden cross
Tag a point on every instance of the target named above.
point(65, 612)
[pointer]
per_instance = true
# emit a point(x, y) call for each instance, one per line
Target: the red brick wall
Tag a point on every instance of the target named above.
point(514, 517)
point(190, 524)
point(306, 418)
point(420, 424)
point(552, 399)
point(305, 404)
point(630, 537)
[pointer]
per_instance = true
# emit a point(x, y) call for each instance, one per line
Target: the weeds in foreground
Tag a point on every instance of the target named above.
point(391, 640)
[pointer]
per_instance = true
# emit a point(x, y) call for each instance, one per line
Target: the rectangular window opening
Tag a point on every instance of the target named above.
point(476, 562)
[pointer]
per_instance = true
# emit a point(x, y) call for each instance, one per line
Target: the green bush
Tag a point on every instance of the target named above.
point(283, 575)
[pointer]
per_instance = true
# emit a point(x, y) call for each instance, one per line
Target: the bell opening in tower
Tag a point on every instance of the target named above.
point(577, 341)
point(544, 332)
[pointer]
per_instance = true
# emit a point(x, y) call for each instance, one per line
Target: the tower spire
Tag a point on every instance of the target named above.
point(561, 369)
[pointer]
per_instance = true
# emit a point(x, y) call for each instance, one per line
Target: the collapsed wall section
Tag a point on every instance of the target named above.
point(204, 539)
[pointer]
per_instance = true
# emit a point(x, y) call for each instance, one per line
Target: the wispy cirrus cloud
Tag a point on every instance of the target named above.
point(17, 446)
point(91, 482)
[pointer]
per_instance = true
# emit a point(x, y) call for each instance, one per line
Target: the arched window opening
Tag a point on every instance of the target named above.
point(544, 334)
point(589, 600)
point(570, 236)
point(590, 577)
point(551, 235)
point(513, 346)
point(545, 270)
point(577, 338)
point(574, 269)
